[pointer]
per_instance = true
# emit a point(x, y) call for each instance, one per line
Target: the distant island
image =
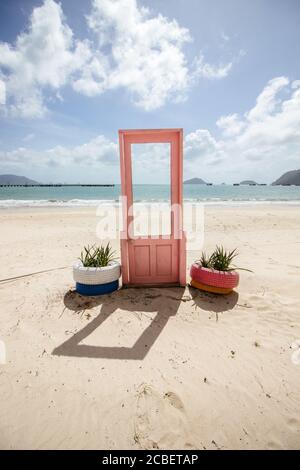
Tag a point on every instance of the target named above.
point(195, 181)
point(289, 178)
point(249, 182)
point(14, 179)
point(22, 181)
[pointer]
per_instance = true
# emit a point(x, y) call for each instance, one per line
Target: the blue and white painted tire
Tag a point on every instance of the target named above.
point(96, 276)
point(96, 289)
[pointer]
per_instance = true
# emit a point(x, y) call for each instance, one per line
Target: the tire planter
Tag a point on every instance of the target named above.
point(206, 288)
point(96, 281)
point(96, 289)
point(212, 277)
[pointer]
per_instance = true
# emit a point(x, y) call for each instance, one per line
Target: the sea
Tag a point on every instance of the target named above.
point(78, 196)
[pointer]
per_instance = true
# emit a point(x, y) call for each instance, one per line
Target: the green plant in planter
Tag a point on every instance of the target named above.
point(97, 256)
point(220, 260)
point(205, 261)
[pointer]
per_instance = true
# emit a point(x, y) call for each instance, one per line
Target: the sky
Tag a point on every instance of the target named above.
point(72, 73)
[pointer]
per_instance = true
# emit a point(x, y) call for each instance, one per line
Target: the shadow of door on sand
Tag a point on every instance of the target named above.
point(134, 300)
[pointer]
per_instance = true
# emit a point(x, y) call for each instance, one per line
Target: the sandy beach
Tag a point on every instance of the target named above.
point(153, 368)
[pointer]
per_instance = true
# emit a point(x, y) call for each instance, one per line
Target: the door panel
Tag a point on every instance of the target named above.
point(153, 262)
point(163, 256)
point(141, 261)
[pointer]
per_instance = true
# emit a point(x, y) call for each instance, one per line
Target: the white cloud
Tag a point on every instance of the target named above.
point(2, 92)
point(145, 54)
point(99, 150)
point(225, 37)
point(230, 125)
point(295, 84)
point(201, 144)
point(132, 50)
point(269, 134)
point(266, 101)
point(205, 70)
point(45, 56)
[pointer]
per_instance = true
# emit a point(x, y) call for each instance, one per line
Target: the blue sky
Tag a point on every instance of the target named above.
point(73, 73)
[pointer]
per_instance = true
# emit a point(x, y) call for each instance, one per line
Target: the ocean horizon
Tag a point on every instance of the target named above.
point(77, 196)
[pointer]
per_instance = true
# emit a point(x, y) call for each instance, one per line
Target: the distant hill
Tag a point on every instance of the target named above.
point(291, 177)
point(14, 179)
point(194, 181)
point(248, 182)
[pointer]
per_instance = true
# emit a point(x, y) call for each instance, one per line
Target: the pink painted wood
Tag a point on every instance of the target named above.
point(153, 260)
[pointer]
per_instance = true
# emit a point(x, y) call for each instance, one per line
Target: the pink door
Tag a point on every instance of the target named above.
point(152, 260)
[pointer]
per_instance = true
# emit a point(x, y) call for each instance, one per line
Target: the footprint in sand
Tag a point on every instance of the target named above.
point(160, 420)
point(296, 353)
point(174, 400)
point(2, 352)
point(294, 424)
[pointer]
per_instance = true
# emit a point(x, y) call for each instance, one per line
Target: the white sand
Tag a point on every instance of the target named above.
point(150, 368)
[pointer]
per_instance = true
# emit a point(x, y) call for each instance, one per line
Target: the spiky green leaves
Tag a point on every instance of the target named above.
point(97, 256)
point(220, 259)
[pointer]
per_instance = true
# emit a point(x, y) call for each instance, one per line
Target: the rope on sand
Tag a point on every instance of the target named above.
point(32, 274)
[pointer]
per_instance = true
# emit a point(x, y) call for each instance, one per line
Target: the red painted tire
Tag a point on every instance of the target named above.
point(211, 277)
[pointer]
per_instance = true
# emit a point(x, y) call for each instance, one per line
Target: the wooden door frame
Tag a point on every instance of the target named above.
point(144, 136)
